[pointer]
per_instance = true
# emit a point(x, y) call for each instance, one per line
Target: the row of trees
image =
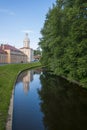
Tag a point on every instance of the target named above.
point(64, 39)
point(37, 51)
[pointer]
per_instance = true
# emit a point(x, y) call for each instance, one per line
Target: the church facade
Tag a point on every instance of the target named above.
point(10, 54)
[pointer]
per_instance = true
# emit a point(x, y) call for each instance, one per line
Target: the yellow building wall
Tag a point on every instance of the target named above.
point(3, 58)
point(13, 57)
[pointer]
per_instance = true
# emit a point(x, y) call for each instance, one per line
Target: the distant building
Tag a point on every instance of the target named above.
point(37, 57)
point(10, 54)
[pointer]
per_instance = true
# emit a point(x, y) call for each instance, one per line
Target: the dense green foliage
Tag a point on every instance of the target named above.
point(37, 51)
point(64, 39)
point(8, 75)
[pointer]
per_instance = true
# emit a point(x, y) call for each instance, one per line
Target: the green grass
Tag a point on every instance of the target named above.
point(8, 75)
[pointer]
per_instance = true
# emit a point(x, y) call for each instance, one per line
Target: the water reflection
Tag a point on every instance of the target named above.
point(47, 102)
point(64, 104)
point(26, 77)
point(27, 114)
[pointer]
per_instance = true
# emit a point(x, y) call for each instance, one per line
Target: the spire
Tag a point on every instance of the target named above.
point(26, 41)
point(26, 34)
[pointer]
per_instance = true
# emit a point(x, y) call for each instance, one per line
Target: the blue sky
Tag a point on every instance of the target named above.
point(20, 16)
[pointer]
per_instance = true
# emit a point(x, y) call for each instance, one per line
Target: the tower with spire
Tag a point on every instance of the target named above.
point(26, 41)
point(26, 48)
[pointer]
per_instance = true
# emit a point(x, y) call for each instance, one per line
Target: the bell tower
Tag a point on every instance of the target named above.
point(26, 49)
point(26, 41)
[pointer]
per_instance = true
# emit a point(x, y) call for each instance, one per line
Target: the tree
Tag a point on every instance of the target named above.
point(64, 39)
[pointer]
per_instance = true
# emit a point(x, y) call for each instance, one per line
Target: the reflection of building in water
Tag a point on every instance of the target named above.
point(26, 80)
point(26, 77)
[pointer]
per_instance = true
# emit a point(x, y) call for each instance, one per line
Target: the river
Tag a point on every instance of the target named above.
point(43, 101)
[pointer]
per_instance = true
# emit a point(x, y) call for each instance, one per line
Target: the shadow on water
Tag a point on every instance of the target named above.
point(43, 101)
point(64, 104)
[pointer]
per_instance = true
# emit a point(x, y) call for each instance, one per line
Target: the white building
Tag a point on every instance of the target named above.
point(26, 49)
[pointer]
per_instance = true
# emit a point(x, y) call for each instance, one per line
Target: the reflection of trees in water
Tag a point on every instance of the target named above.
point(37, 71)
point(64, 104)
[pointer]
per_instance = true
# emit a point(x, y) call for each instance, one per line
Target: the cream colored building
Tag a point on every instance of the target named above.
point(3, 56)
point(26, 49)
point(10, 54)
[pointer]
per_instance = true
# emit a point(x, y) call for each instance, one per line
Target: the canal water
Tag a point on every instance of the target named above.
point(43, 101)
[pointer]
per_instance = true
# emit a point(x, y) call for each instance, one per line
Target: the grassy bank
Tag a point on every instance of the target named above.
point(8, 75)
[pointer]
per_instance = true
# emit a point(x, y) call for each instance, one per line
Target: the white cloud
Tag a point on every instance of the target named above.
point(27, 31)
point(6, 11)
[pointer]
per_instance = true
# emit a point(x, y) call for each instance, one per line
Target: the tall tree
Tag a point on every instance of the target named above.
point(64, 39)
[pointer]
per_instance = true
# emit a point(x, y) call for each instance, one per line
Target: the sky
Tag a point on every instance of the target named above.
point(18, 17)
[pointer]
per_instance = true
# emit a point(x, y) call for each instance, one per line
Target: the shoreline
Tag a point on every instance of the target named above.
point(10, 113)
point(10, 110)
